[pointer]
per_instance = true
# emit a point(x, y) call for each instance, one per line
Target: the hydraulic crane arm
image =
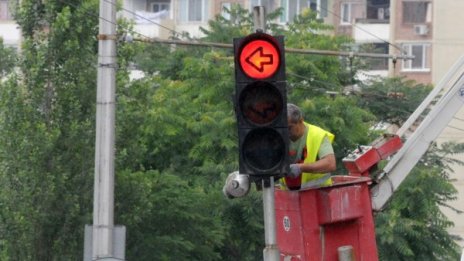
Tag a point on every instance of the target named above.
point(417, 144)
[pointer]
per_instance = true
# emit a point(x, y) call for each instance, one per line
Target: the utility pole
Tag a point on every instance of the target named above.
point(103, 208)
point(271, 251)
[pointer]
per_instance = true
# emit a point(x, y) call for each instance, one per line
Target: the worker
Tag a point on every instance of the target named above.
point(310, 151)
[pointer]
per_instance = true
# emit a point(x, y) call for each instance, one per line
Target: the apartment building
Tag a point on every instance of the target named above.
point(412, 34)
point(160, 18)
point(368, 23)
point(447, 46)
point(398, 27)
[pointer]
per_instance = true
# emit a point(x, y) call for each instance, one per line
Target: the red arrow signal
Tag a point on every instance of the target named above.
point(259, 59)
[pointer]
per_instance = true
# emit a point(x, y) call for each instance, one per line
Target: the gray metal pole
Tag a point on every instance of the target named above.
point(259, 18)
point(271, 251)
point(103, 208)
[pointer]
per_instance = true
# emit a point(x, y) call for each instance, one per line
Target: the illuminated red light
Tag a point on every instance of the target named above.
point(259, 59)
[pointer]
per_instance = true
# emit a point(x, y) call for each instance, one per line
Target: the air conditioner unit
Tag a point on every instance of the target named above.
point(421, 29)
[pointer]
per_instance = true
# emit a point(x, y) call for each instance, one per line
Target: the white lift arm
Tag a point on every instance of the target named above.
point(417, 144)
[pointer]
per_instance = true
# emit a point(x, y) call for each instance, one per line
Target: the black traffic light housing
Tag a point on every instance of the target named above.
point(261, 105)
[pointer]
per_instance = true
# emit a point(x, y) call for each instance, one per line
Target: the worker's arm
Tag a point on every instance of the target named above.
point(326, 164)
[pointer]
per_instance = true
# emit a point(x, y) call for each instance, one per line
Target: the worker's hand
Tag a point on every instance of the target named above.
point(295, 170)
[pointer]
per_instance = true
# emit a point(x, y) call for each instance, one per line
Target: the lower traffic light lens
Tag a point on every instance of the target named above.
point(261, 103)
point(263, 149)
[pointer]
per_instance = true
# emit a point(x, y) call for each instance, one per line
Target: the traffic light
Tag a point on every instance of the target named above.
point(261, 105)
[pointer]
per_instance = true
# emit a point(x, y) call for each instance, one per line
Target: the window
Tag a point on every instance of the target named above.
point(313, 5)
point(193, 10)
point(420, 61)
point(345, 13)
point(417, 12)
point(374, 63)
point(324, 8)
point(292, 8)
point(4, 10)
point(160, 5)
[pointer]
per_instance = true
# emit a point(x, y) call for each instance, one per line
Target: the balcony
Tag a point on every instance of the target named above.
point(153, 25)
point(371, 31)
point(161, 25)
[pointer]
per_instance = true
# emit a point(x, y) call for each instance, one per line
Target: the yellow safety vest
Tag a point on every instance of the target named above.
point(313, 143)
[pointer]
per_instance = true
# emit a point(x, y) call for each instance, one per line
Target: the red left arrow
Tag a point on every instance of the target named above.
point(258, 59)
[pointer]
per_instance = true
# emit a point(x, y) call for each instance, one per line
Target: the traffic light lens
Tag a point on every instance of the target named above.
point(263, 149)
point(260, 103)
point(259, 59)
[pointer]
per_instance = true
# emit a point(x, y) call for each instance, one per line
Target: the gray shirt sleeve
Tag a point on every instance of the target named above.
point(325, 149)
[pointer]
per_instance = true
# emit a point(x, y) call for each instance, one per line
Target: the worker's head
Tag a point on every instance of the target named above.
point(296, 126)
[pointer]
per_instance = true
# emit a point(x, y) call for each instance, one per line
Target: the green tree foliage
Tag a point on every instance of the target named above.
point(167, 218)
point(224, 30)
point(47, 133)
point(185, 129)
point(152, 59)
point(413, 227)
point(393, 99)
point(320, 73)
point(7, 59)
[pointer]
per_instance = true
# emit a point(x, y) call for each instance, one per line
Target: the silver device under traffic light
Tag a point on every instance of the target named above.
point(237, 185)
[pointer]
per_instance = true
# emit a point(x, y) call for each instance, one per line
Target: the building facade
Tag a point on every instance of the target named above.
point(367, 22)
point(412, 33)
point(161, 18)
point(447, 46)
